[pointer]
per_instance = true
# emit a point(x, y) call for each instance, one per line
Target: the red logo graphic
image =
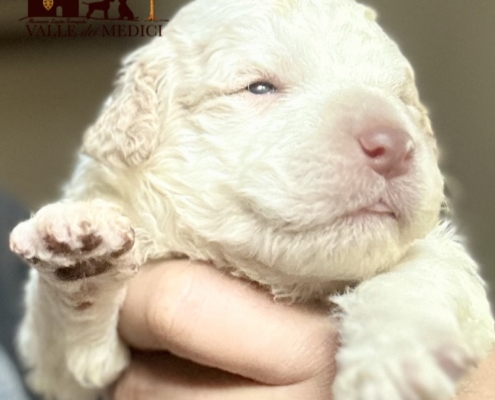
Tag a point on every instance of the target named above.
point(94, 10)
point(61, 18)
point(53, 8)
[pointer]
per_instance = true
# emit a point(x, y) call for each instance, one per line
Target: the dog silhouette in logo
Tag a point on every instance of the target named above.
point(103, 5)
point(124, 11)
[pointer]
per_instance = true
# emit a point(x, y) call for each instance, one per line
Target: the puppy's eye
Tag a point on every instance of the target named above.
point(261, 88)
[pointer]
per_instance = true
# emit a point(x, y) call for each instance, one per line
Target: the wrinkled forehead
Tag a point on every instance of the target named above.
point(312, 37)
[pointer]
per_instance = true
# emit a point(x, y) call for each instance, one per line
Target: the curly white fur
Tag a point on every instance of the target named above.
point(185, 161)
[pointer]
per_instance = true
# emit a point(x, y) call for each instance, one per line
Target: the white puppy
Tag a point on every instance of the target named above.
point(282, 140)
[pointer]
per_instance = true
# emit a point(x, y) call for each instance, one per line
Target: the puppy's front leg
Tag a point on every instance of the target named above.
point(81, 253)
point(412, 333)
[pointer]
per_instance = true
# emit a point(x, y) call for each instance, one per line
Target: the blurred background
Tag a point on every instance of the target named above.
point(51, 89)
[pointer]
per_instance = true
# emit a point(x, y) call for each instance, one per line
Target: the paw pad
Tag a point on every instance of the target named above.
point(73, 241)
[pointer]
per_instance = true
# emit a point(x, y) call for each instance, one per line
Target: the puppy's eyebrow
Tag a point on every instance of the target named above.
point(284, 7)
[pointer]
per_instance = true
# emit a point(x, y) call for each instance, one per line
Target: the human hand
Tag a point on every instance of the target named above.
point(226, 338)
point(480, 384)
point(231, 341)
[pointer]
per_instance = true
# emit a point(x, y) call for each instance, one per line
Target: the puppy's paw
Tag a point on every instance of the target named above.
point(97, 365)
point(68, 242)
point(58, 387)
point(399, 371)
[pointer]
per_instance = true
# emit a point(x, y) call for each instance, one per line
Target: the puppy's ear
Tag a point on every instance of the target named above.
point(126, 132)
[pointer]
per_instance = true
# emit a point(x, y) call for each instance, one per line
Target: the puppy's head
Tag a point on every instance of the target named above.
point(283, 134)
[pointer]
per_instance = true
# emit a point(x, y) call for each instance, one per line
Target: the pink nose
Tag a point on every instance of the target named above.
point(388, 151)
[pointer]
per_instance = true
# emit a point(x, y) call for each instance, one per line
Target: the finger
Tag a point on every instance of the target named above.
point(164, 376)
point(480, 385)
point(198, 313)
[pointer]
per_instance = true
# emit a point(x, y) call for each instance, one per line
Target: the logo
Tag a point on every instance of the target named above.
point(90, 18)
point(48, 4)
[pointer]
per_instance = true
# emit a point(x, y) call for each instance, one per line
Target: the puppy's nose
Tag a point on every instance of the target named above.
point(388, 151)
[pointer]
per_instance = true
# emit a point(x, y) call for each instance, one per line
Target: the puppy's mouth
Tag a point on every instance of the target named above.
point(379, 209)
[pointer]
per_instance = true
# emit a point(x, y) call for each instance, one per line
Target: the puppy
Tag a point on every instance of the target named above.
point(283, 141)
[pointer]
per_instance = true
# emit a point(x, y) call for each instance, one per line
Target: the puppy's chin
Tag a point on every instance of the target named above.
point(354, 248)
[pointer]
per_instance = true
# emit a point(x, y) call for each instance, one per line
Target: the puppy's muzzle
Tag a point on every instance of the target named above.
point(375, 129)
